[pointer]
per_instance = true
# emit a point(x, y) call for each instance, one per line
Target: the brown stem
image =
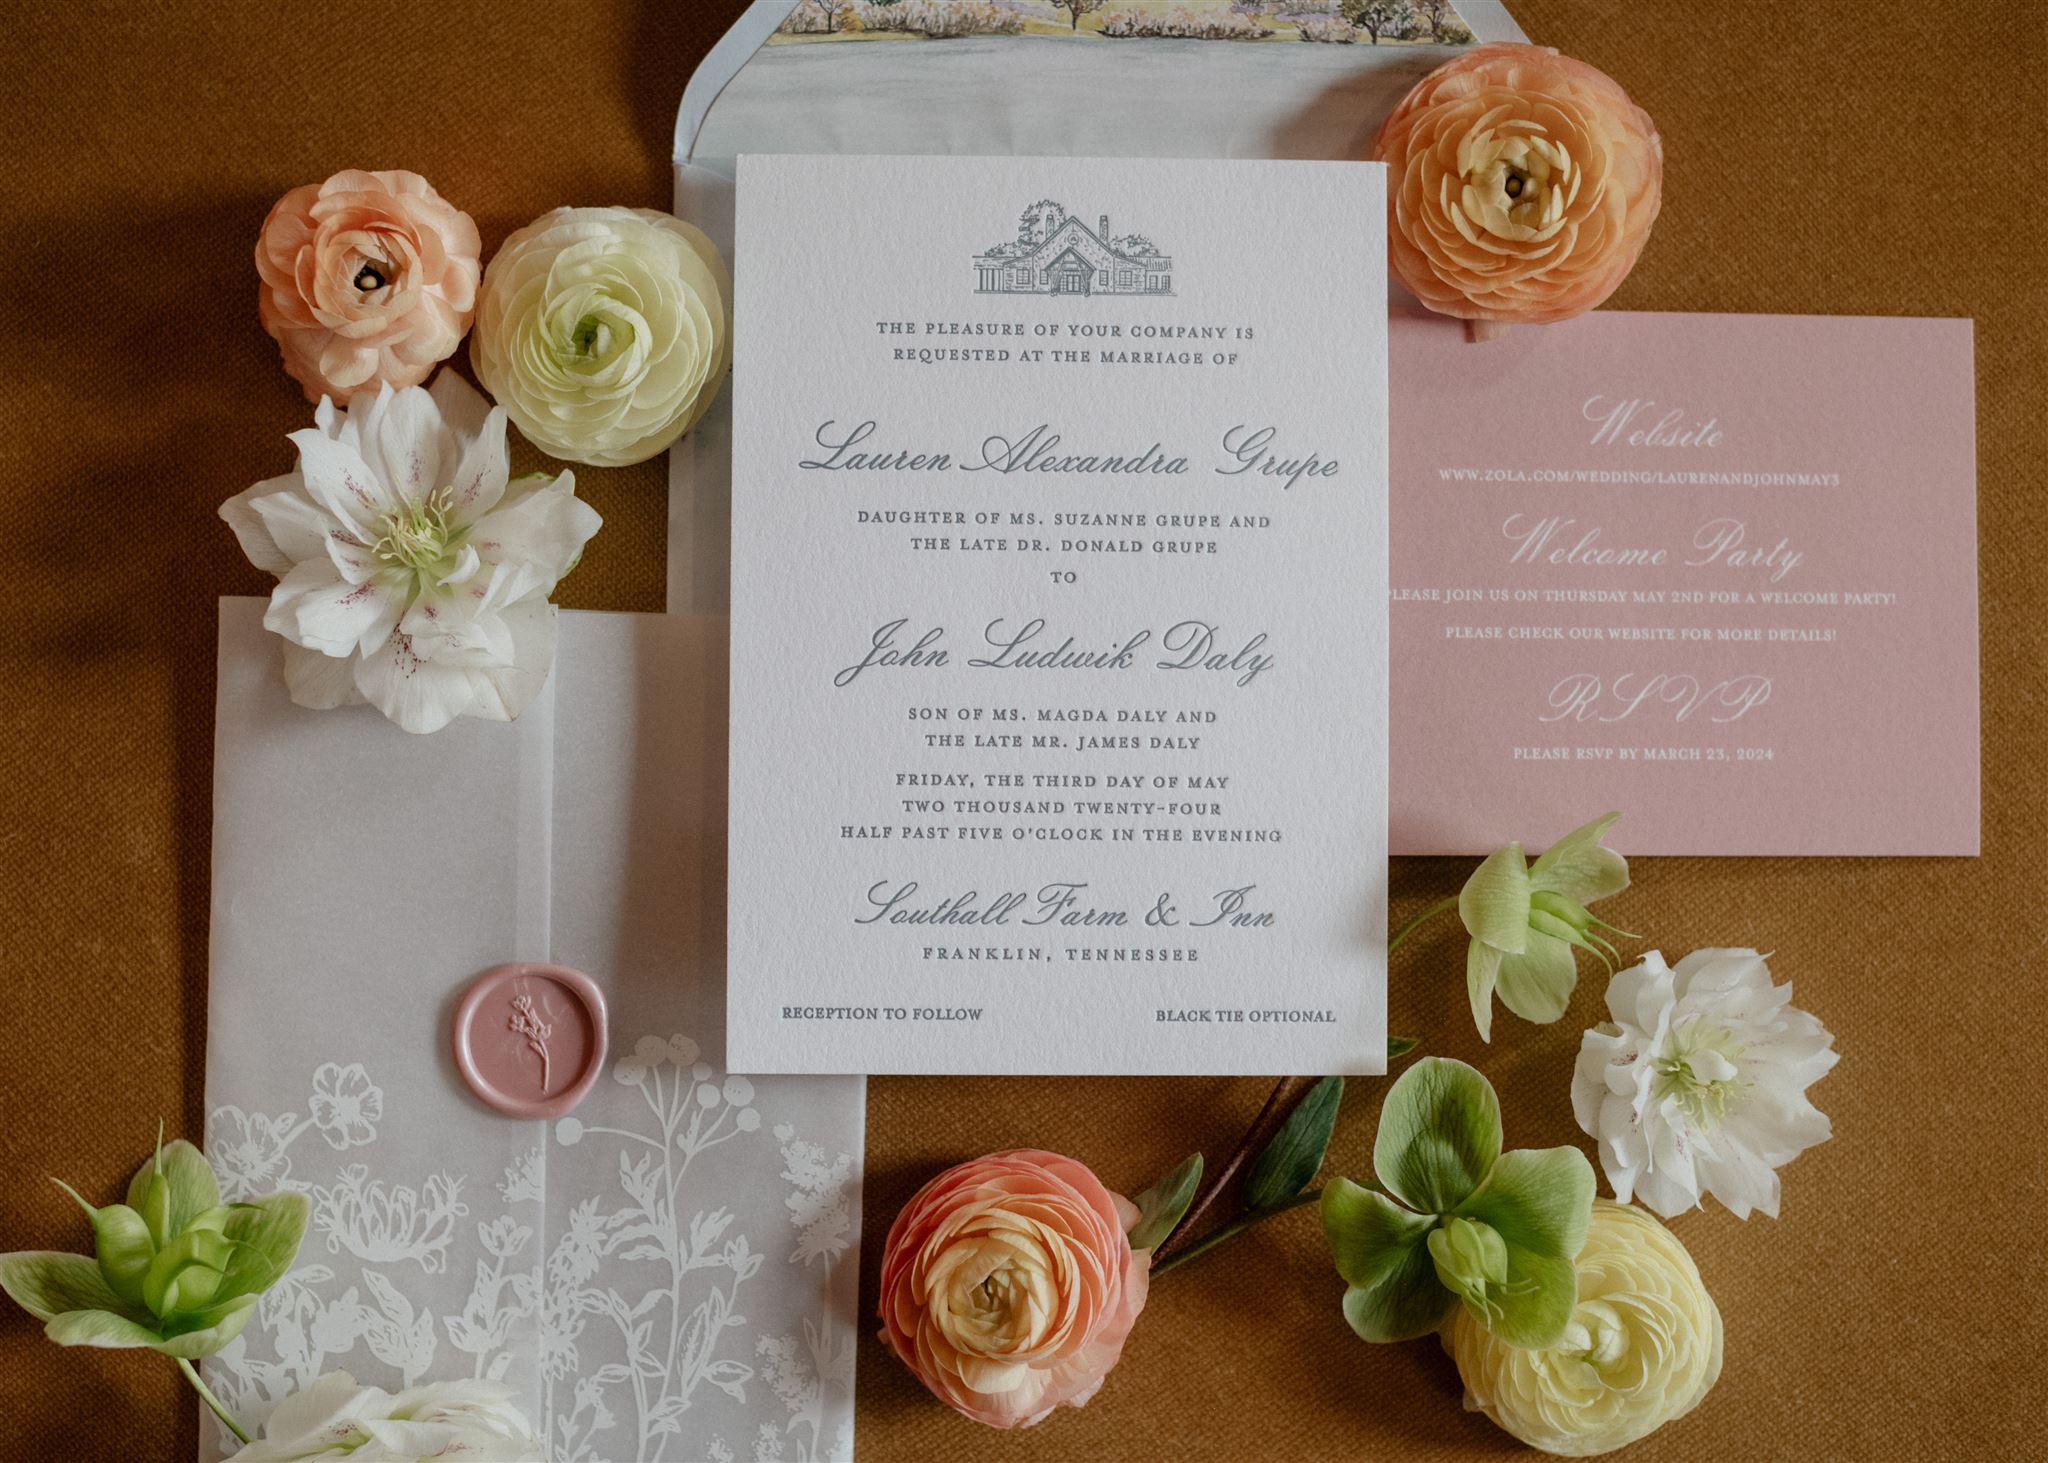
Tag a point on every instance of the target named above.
point(1279, 1103)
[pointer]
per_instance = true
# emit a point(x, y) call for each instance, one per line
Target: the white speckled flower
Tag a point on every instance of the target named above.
point(604, 332)
point(1698, 1084)
point(1643, 1346)
point(412, 573)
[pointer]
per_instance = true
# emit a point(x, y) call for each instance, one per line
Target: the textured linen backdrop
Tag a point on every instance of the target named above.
point(1823, 156)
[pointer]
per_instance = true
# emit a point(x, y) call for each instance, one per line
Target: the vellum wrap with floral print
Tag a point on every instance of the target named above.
point(413, 573)
point(1522, 185)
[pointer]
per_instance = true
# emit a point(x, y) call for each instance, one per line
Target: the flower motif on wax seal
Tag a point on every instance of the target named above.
point(413, 572)
point(369, 279)
point(1521, 185)
point(531, 1023)
point(605, 332)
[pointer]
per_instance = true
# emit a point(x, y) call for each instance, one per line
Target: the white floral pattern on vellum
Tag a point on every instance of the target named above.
point(639, 1309)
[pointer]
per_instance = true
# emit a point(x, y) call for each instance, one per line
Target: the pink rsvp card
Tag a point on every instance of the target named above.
point(1716, 571)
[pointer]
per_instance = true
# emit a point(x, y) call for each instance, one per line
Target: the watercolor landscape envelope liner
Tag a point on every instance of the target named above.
point(1717, 571)
point(362, 877)
point(1053, 566)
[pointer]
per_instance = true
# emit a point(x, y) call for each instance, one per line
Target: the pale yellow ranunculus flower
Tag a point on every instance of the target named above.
point(604, 332)
point(1643, 1346)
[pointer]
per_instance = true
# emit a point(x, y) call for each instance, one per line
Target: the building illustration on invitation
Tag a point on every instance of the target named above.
point(1056, 253)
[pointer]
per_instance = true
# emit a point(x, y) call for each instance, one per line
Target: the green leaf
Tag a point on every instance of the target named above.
point(1494, 904)
point(187, 1189)
point(47, 1283)
point(1539, 1202)
point(1160, 1207)
point(1439, 1135)
point(99, 1328)
point(1535, 1306)
point(1577, 865)
point(1381, 1251)
point(266, 1233)
point(1399, 1047)
point(1411, 1303)
point(1482, 974)
point(1537, 984)
point(1296, 1152)
point(1539, 1199)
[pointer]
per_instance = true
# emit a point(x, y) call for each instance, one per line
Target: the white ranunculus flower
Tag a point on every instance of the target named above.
point(411, 573)
point(1698, 1084)
point(335, 1418)
point(604, 332)
point(1643, 1346)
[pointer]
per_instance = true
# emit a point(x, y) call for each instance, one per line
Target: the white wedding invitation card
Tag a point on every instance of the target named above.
point(1059, 607)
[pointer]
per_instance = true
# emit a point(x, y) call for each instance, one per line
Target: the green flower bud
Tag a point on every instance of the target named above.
point(156, 1208)
point(121, 1243)
point(124, 1249)
point(1470, 1259)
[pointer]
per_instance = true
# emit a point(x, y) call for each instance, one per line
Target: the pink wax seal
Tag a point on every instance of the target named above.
point(530, 1039)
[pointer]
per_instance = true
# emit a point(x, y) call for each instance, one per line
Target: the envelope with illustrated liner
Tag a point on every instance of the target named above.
point(1191, 79)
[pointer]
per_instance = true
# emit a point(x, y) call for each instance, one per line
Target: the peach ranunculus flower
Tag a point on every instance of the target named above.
point(1009, 1285)
point(1522, 185)
point(369, 279)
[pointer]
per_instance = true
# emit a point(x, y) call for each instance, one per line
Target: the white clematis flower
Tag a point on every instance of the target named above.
point(336, 1418)
point(411, 573)
point(1698, 1084)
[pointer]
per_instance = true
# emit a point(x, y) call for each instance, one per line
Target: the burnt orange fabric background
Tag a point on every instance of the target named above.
point(1822, 157)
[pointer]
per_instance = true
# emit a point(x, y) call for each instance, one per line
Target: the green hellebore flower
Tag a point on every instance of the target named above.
point(1526, 918)
point(1456, 1219)
point(173, 1268)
